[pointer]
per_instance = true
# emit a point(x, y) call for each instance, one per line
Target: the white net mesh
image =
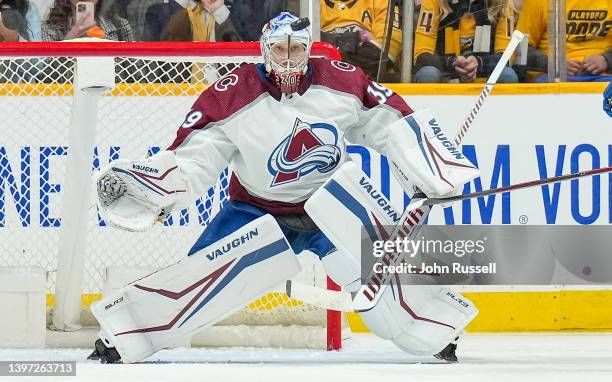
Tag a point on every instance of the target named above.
point(139, 116)
point(31, 165)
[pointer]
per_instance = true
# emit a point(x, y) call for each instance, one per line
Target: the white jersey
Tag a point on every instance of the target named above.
point(280, 148)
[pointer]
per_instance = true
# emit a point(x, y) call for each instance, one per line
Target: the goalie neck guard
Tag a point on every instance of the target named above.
point(285, 45)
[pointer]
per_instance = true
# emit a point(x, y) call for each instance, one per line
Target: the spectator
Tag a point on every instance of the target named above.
point(206, 20)
point(588, 37)
point(504, 15)
point(19, 21)
point(62, 24)
point(134, 11)
point(357, 28)
point(249, 16)
point(158, 15)
point(447, 34)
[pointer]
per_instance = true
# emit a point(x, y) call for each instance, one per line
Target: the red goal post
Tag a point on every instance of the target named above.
point(55, 115)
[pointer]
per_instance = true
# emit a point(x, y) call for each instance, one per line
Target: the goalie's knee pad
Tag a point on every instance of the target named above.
point(420, 319)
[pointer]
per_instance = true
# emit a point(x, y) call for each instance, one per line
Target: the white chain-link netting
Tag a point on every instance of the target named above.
point(139, 116)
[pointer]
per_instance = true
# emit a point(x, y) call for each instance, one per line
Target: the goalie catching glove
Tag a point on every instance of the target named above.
point(134, 194)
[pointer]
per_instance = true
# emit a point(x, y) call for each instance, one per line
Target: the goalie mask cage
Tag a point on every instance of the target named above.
point(62, 116)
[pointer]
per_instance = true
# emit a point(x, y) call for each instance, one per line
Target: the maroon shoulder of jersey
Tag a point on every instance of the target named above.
point(347, 78)
point(222, 99)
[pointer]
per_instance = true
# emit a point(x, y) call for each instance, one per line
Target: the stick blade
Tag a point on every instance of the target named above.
point(323, 298)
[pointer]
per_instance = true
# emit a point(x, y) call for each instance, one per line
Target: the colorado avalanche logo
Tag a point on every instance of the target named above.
point(306, 149)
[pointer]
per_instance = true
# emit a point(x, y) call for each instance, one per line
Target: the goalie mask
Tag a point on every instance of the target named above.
point(285, 45)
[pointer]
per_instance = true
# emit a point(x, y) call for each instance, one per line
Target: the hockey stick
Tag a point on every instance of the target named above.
point(315, 296)
point(341, 301)
point(413, 217)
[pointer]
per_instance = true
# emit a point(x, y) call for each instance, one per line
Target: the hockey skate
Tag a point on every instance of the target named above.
point(104, 354)
point(448, 354)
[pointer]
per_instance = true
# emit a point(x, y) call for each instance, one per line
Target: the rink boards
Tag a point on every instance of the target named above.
point(523, 132)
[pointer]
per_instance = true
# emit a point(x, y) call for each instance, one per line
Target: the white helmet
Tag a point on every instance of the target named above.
point(286, 30)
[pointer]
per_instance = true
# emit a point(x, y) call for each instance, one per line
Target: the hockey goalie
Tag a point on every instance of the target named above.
point(282, 127)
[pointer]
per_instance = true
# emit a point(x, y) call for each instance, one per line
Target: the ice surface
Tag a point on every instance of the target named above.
point(483, 358)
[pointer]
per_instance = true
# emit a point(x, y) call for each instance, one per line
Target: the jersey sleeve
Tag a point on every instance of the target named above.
point(201, 147)
point(379, 26)
point(426, 33)
point(381, 108)
point(532, 21)
point(503, 32)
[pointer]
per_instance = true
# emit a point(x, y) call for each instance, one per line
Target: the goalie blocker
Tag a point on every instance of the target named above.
point(421, 320)
point(154, 312)
point(422, 156)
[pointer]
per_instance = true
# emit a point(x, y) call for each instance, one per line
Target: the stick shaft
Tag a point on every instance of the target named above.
point(517, 37)
point(520, 186)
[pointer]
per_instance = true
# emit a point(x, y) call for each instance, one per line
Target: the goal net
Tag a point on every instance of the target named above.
point(59, 122)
